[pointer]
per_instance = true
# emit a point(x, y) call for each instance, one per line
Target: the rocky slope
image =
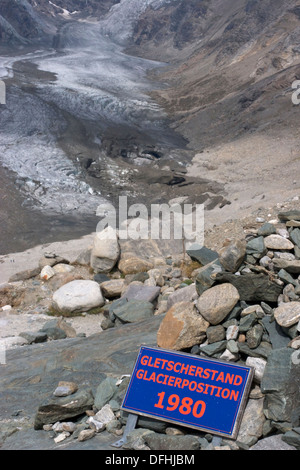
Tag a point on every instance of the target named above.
point(236, 300)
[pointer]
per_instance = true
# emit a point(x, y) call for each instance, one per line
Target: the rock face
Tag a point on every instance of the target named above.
point(77, 296)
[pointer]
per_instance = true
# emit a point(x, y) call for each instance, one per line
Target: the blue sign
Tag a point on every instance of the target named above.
point(193, 391)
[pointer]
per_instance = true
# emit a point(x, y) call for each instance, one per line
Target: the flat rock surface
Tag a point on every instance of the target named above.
point(33, 372)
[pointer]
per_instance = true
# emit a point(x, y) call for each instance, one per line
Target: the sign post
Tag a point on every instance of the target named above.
point(192, 391)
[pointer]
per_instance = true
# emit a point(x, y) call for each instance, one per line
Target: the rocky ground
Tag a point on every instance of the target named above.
point(73, 321)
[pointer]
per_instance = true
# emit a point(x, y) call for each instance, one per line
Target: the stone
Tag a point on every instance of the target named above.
point(259, 365)
point(254, 335)
point(184, 294)
point(105, 251)
point(256, 246)
point(105, 392)
point(276, 242)
point(232, 255)
point(134, 311)
point(95, 424)
point(251, 428)
point(47, 272)
point(61, 437)
point(217, 302)
point(232, 332)
point(34, 337)
point(105, 415)
point(113, 288)
point(24, 275)
point(202, 254)
point(272, 443)
point(135, 439)
point(292, 438)
point(63, 408)
point(86, 434)
point(65, 389)
point(291, 266)
point(63, 268)
point(77, 296)
point(215, 333)
point(287, 314)
point(141, 292)
point(181, 328)
point(289, 215)
point(134, 265)
point(164, 442)
point(214, 348)
point(280, 385)
point(277, 336)
point(295, 236)
point(61, 325)
point(266, 229)
point(206, 276)
point(253, 287)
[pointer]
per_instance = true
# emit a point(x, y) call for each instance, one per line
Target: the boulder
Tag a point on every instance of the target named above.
point(77, 296)
point(182, 327)
point(105, 251)
point(217, 302)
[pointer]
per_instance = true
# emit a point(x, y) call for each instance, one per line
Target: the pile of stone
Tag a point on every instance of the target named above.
point(239, 304)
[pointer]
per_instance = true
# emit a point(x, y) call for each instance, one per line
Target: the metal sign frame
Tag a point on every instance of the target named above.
point(184, 389)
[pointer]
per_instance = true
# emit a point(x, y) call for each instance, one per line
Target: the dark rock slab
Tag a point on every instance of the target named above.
point(32, 373)
point(280, 385)
point(202, 254)
point(252, 287)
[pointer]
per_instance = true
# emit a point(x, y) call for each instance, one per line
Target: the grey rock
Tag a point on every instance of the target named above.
point(232, 255)
point(105, 392)
point(134, 311)
point(291, 266)
point(253, 287)
point(185, 294)
point(157, 441)
point(275, 442)
point(202, 254)
point(292, 438)
point(34, 337)
point(214, 349)
point(254, 335)
point(215, 333)
point(141, 292)
point(289, 215)
point(280, 384)
point(63, 408)
point(251, 428)
point(277, 336)
point(206, 276)
point(266, 229)
point(256, 246)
